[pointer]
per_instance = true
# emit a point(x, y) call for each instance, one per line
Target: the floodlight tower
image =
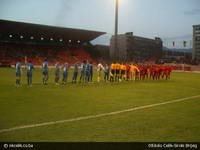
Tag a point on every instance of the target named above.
point(116, 30)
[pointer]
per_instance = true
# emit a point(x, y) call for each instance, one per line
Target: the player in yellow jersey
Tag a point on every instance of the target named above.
point(112, 71)
point(123, 71)
point(117, 75)
point(134, 71)
point(120, 72)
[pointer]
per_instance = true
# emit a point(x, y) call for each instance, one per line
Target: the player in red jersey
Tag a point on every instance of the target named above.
point(142, 72)
point(151, 72)
point(168, 72)
point(155, 75)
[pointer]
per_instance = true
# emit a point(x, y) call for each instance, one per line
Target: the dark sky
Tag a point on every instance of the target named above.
point(168, 19)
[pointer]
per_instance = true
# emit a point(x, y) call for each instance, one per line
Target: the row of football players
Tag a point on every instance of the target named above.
point(114, 73)
point(85, 68)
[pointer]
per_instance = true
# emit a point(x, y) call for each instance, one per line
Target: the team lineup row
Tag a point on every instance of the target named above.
point(115, 72)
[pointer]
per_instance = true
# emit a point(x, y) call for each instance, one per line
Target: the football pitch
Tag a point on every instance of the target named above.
point(129, 111)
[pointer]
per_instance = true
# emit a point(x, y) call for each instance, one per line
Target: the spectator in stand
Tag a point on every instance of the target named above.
point(18, 73)
point(65, 73)
point(30, 68)
point(57, 73)
point(75, 74)
point(45, 72)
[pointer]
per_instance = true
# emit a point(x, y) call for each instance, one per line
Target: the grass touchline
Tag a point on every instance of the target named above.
point(97, 116)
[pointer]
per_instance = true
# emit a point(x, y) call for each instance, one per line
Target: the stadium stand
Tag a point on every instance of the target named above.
point(36, 55)
point(25, 41)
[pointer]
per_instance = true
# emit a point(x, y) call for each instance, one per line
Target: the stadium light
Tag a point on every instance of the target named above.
point(116, 30)
point(116, 16)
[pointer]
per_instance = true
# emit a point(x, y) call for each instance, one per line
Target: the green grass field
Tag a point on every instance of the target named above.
point(25, 105)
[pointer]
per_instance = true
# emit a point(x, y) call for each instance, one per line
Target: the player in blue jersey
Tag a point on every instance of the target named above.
point(91, 72)
point(45, 72)
point(75, 73)
point(65, 73)
point(106, 73)
point(87, 72)
point(57, 73)
point(18, 73)
point(30, 68)
point(82, 71)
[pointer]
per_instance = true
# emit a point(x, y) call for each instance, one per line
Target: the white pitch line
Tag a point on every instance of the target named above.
point(96, 116)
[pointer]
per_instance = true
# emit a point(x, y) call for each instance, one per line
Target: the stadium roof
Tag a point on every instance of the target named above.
point(21, 30)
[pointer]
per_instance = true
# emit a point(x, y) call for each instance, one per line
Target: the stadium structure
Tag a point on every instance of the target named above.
point(135, 48)
point(196, 44)
point(35, 42)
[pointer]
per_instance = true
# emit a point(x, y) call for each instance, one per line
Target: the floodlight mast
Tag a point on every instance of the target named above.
point(116, 30)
